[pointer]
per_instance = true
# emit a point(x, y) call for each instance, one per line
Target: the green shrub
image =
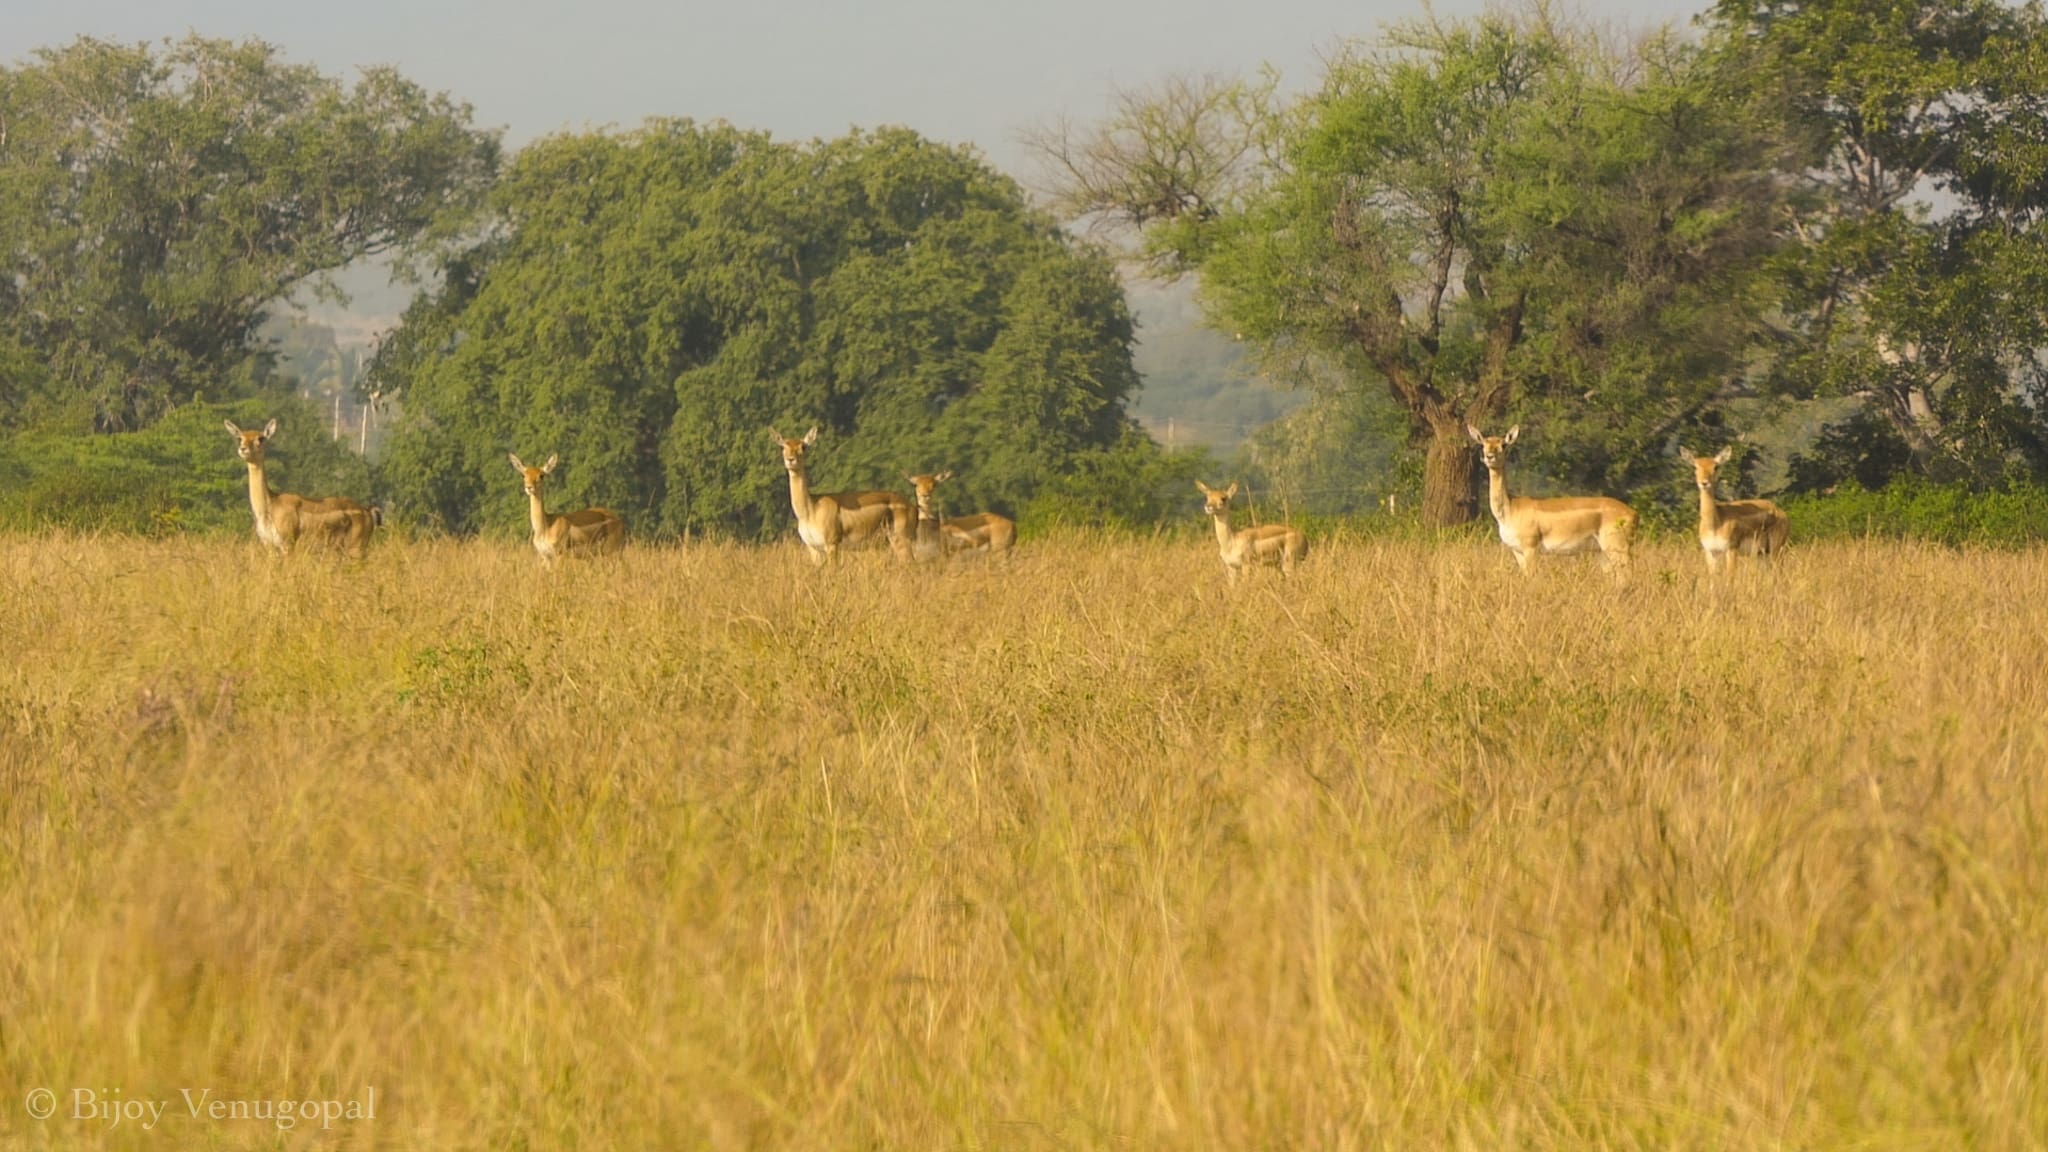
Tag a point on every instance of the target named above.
point(1917, 510)
point(178, 475)
point(1132, 485)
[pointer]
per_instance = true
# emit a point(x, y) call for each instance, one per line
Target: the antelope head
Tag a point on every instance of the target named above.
point(793, 450)
point(1216, 501)
point(1704, 467)
point(924, 486)
point(249, 445)
point(533, 476)
point(1493, 449)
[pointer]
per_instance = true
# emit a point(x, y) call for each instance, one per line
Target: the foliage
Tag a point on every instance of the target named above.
point(1484, 217)
point(178, 475)
point(1335, 455)
point(155, 201)
point(1133, 485)
point(1650, 193)
point(1863, 449)
point(1914, 509)
point(1920, 169)
point(654, 301)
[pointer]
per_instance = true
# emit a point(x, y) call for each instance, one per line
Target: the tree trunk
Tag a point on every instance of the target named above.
point(1910, 414)
point(1447, 496)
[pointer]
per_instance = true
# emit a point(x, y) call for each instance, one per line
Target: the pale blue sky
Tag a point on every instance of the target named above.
point(952, 69)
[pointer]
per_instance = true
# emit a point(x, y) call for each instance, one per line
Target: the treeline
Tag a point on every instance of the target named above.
point(643, 303)
point(1810, 226)
point(1622, 246)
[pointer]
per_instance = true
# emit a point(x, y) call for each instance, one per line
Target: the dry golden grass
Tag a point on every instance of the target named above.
point(701, 849)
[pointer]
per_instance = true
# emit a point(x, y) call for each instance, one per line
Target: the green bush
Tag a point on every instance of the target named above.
point(178, 475)
point(1133, 485)
point(1917, 510)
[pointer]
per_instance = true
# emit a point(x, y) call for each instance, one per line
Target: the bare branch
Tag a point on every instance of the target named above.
point(1185, 149)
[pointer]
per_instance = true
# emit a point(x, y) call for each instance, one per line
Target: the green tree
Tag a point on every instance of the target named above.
point(1920, 162)
point(653, 300)
point(155, 200)
point(1483, 217)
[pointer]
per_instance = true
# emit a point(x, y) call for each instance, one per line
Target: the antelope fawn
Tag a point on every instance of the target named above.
point(1275, 544)
point(827, 521)
point(1563, 524)
point(589, 532)
point(1729, 528)
point(984, 532)
point(283, 520)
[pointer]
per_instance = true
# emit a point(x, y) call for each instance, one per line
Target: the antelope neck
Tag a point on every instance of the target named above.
point(1497, 491)
point(259, 489)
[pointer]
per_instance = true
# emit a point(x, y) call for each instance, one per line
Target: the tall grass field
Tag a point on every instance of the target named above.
point(701, 848)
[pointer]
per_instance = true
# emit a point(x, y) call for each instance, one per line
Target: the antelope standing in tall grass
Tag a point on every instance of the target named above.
point(828, 521)
point(984, 532)
point(1562, 524)
point(589, 532)
point(1271, 544)
point(284, 520)
point(1729, 528)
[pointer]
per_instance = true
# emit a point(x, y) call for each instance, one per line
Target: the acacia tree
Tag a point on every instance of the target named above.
point(654, 300)
point(1467, 212)
point(155, 200)
point(1921, 165)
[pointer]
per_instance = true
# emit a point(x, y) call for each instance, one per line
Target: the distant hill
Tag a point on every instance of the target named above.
point(375, 305)
point(1199, 384)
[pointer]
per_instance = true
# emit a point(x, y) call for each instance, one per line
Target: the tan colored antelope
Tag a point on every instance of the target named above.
point(590, 532)
point(828, 521)
point(1562, 524)
point(984, 532)
point(1729, 528)
point(284, 520)
point(1275, 544)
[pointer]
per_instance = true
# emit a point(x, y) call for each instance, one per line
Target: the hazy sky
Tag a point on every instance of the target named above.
point(952, 69)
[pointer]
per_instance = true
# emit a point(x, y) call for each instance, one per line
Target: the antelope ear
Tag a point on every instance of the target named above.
point(1725, 455)
point(1474, 434)
point(230, 425)
point(911, 479)
point(1514, 434)
point(944, 476)
point(1232, 491)
point(548, 468)
point(516, 463)
point(1685, 454)
point(777, 435)
point(270, 429)
point(1201, 487)
point(811, 437)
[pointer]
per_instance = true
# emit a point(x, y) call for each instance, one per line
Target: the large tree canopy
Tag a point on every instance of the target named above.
point(1481, 217)
point(1920, 167)
point(155, 200)
point(653, 300)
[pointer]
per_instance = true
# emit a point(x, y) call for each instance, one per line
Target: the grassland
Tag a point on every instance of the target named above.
point(701, 849)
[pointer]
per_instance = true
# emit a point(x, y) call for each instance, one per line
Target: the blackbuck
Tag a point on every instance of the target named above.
point(1729, 528)
point(283, 520)
point(829, 521)
point(984, 532)
point(1563, 524)
point(1274, 544)
point(590, 532)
